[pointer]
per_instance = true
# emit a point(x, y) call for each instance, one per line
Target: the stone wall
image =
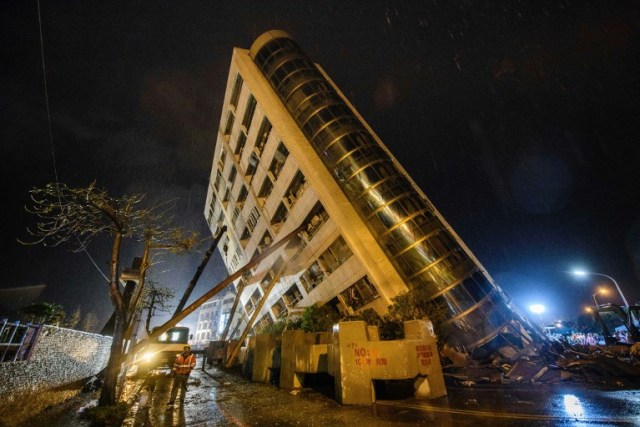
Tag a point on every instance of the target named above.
point(60, 356)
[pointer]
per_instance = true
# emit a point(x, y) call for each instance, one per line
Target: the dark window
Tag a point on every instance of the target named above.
point(253, 165)
point(312, 277)
point(248, 113)
point(242, 196)
point(314, 221)
point(295, 190)
point(280, 216)
point(237, 86)
point(263, 135)
point(335, 255)
point(266, 188)
point(279, 158)
point(292, 296)
point(254, 216)
point(246, 234)
point(242, 140)
point(360, 293)
point(229, 125)
point(232, 176)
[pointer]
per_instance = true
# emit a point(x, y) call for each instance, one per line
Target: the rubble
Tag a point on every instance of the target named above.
point(611, 365)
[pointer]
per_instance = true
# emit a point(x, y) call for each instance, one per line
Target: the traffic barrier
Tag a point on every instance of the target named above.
point(354, 356)
point(355, 359)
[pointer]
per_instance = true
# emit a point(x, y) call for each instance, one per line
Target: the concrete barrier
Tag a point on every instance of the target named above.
point(302, 353)
point(354, 356)
point(355, 360)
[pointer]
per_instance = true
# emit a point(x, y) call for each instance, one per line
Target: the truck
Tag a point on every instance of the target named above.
point(157, 357)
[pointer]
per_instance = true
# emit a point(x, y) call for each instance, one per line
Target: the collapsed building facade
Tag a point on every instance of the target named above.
point(293, 152)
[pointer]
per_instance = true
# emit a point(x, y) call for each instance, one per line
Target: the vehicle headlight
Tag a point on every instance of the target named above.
point(146, 357)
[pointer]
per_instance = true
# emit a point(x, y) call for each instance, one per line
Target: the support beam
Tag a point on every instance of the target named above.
point(216, 289)
point(256, 311)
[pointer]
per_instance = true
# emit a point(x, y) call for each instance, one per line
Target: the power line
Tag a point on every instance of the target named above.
point(53, 152)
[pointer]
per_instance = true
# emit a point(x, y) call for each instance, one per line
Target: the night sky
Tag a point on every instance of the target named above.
point(519, 119)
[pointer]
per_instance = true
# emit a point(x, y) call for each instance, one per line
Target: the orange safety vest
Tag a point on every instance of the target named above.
point(184, 365)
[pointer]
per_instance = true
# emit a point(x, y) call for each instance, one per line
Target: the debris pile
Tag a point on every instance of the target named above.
point(609, 365)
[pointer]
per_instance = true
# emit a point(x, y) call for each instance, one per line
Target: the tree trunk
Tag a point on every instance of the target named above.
point(108, 394)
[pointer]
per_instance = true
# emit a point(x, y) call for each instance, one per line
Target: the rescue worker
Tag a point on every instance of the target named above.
point(182, 367)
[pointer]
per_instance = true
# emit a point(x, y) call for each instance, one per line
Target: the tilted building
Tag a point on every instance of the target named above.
point(291, 150)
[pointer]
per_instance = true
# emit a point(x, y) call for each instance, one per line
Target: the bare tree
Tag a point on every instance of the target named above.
point(156, 300)
point(77, 216)
point(157, 237)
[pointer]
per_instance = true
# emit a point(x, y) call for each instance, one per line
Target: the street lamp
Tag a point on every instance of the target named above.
point(599, 291)
point(585, 273)
point(538, 309)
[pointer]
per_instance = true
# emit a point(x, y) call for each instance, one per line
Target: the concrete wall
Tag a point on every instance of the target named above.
point(60, 356)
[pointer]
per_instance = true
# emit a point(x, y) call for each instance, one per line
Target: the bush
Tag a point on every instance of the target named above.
point(318, 318)
point(280, 325)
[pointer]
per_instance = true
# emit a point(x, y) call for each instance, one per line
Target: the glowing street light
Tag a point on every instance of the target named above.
point(599, 291)
point(581, 273)
point(538, 309)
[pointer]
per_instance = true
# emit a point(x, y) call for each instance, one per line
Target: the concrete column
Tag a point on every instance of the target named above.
point(288, 377)
point(350, 369)
point(421, 341)
point(263, 357)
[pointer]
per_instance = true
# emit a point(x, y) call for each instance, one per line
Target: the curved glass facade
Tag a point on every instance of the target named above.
point(423, 252)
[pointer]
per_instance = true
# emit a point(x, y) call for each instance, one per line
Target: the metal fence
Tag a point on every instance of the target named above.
point(17, 340)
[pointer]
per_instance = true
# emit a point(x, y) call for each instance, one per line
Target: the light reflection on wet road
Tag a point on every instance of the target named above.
point(565, 405)
point(218, 398)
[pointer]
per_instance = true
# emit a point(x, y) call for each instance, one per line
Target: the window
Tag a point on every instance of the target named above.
point(254, 216)
point(223, 156)
point(295, 190)
point(229, 125)
point(218, 184)
point(280, 216)
point(242, 195)
point(266, 280)
point(225, 199)
point(314, 221)
point(242, 140)
point(248, 113)
point(265, 242)
point(360, 293)
point(266, 188)
point(279, 308)
point(253, 165)
point(237, 87)
point(292, 296)
point(232, 176)
point(279, 158)
point(335, 255)
point(312, 277)
point(236, 214)
point(246, 234)
point(263, 135)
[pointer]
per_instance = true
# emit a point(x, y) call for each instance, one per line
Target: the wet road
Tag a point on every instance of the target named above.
point(219, 398)
point(527, 405)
